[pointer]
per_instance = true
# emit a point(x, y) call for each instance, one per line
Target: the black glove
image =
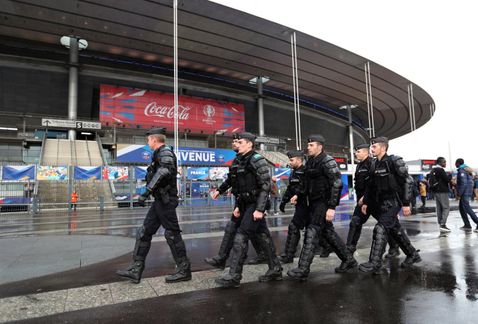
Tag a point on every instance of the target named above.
point(282, 206)
point(143, 197)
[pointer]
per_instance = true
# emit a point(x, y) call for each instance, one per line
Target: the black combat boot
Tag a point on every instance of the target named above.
point(347, 258)
point(178, 250)
point(239, 253)
point(133, 272)
point(399, 235)
point(293, 238)
point(379, 243)
point(311, 239)
point(219, 261)
point(275, 269)
point(261, 257)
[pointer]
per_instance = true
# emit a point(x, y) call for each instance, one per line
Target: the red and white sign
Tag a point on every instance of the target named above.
point(135, 108)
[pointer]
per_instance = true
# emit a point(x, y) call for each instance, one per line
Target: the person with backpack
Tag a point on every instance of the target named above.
point(464, 190)
point(439, 185)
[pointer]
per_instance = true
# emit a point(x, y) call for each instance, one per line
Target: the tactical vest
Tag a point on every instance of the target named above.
point(233, 175)
point(246, 183)
point(384, 180)
point(362, 176)
point(317, 182)
point(168, 185)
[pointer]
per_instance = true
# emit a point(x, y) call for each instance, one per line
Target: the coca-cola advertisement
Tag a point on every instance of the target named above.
point(133, 108)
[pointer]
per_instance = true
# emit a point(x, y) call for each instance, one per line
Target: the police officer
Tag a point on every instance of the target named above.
point(219, 261)
point(324, 184)
point(389, 190)
point(252, 187)
point(161, 184)
point(362, 178)
point(296, 194)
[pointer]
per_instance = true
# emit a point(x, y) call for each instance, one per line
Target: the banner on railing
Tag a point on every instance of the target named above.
point(187, 156)
point(52, 173)
point(344, 195)
point(198, 173)
point(140, 172)
point(218, 173)
point(282, 173)
point(115, 173)
point(87, 173)
point(18, 172)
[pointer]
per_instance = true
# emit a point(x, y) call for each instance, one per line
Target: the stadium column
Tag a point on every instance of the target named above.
point(73, 85)
point(260, 109)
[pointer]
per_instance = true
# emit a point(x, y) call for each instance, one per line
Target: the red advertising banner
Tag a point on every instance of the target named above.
point(133, 108)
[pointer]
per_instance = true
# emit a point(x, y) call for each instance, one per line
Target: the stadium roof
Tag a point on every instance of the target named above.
point(217, 40)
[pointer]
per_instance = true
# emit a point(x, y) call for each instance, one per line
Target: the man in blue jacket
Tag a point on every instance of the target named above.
point(464, 188)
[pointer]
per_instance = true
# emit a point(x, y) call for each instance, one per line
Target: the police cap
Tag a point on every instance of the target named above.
point(362, 146)
point(295, 153)
point(235, 136)
point(246, 135)
point(379, 139)
point(156, 131)
point(316, 138)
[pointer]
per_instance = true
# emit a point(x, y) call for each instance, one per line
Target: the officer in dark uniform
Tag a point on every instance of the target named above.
point(389, 191)
point(219, 261)
point(296, 194)
point(324, 185)
point(362, 178)
point(161, 184)
point(252, 187)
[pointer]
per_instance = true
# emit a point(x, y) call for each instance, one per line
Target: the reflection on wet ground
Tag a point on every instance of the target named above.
point(443, 288)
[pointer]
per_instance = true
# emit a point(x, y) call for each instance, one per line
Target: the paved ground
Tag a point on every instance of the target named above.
point(71, 275)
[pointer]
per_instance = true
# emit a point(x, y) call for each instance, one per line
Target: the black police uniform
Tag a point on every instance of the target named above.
point(324, 185)
point(362, 178)
point(219, 261)
point(389, 189)
point(296, 187)
point(252, 187)
point(161, 184)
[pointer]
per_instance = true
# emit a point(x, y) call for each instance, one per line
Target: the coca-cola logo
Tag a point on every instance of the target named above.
point(155, 110)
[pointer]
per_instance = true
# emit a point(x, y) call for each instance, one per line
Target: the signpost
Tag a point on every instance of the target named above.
point(66, 123)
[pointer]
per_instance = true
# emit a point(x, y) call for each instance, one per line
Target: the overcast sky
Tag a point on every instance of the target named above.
point(432, 43)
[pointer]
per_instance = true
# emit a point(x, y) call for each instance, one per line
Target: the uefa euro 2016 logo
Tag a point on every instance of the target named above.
point(146, 156)
point(209, 112)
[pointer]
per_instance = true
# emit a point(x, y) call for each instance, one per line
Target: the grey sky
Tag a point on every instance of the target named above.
point(432, 43)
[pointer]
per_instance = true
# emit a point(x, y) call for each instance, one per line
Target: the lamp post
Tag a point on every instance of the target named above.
point(74, 44)
point(351, 136)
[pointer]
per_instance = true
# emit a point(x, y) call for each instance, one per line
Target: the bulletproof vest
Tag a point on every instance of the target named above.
point(246, 182)
point(168, 184)
point(362, 176)
point(233, 175)
point(383, 177)
point(297, 180)
point(317, 182)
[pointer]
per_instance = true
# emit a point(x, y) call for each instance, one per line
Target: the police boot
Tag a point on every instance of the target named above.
point(261, 257)
point(219, 261)
point(311, 239)
point(323, 248)
point(338, 246)
point(133, 272)
point(239, 254)
point(275, 269)
point(398, 234)
point(293, 238)
point(178, 250)
point(355, 229)
point(379, 243)
point(393, 248)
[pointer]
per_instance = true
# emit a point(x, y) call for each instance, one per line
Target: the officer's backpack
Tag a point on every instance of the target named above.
point(433, 180)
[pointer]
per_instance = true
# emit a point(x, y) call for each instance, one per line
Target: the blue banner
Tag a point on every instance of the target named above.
point(282, 173)
point(198, 173)
point(187, 156)
point(344, 195)
point(139, 173)
point(87, 173)
point(18, 173)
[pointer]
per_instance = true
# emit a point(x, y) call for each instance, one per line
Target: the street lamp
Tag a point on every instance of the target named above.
point(220, 133)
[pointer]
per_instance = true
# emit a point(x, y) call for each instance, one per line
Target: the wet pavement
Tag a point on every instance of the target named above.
point(443, 288)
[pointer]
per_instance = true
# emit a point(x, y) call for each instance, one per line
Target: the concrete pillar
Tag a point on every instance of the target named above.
point(73, 85)
point(260, 109)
